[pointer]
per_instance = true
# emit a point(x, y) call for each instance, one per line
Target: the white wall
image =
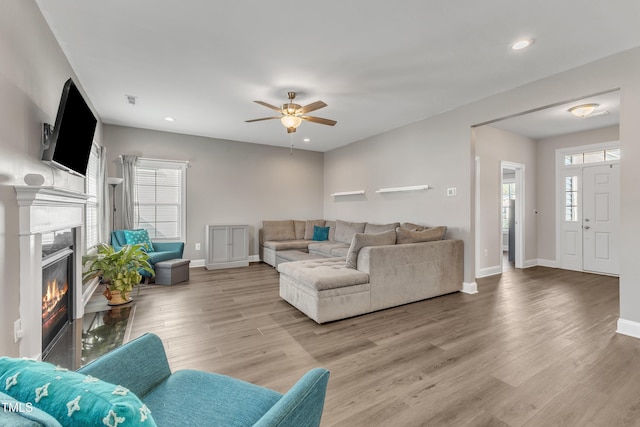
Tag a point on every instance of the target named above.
point(546, 181)
point(228, 182)
point(33, 70)
point(440, 151)
point(494, 145)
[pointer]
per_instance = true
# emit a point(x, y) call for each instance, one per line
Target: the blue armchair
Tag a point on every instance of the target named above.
point(163, 251)
point(133, 386)
point(196, 398)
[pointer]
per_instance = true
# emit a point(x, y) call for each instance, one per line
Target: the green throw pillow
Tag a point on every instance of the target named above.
point(320, 233)
point(138, 237)
point(70, 397)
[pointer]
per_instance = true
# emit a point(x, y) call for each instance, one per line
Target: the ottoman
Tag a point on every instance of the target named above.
point(172, 271)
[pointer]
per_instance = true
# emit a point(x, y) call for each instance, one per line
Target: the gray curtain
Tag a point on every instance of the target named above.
point(128, 189)
point(103, 195)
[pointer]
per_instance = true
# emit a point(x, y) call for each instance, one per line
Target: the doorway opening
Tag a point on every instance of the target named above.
point(512, 215)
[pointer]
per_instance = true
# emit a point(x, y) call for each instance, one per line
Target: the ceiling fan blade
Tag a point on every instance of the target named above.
point(312, 107)
point(266, 104)
point(264, 118)
point(319, 120)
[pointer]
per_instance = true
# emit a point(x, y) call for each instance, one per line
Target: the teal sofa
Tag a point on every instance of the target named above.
point(149, 394)
point(163, 251)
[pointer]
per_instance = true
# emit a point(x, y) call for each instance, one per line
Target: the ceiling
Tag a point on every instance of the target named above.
point(377, 64)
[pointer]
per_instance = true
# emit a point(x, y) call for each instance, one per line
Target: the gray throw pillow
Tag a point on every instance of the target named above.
point(426, 235)
point(360, 240)
point(379, 228)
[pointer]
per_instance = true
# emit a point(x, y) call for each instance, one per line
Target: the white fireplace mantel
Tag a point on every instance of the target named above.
point(43, 210)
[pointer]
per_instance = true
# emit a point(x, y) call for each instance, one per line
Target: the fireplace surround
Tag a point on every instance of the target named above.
point(44, 210)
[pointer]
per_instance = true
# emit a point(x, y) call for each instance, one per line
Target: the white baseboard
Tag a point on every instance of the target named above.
point(196, 263)
point(489, 271)
point(551, 263)
point(469, 288)
point(628, 327)
point(528, 263)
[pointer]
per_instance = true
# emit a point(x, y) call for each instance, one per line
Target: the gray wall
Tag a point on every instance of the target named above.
point(228, 182)
point(494, 145)
point(440, 151)
point(33, 70)
point(546, 176)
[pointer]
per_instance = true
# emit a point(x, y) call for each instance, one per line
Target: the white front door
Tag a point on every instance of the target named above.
point(601, 218)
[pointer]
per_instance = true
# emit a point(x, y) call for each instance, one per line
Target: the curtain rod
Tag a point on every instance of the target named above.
point(160, 160)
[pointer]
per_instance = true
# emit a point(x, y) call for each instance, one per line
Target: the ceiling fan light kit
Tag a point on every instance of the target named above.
point(292, 115)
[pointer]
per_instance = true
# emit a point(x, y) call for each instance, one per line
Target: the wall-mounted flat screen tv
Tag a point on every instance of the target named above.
point(69, 144)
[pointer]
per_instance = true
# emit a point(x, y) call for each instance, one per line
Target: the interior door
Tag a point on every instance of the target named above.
point(601, 218)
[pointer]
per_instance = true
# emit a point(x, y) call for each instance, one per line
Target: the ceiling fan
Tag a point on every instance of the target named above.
point(292, 115)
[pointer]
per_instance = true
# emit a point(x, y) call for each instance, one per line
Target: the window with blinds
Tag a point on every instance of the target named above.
point(160, 198)
point(92, 206)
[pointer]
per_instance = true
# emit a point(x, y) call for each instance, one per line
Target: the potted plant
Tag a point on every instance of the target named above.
point(119, 270)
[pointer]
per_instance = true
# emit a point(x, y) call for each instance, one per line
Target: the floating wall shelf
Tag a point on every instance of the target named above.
point(347, 193)
point(398, 189)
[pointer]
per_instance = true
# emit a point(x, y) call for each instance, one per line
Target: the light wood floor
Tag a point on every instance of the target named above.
point(535, 347)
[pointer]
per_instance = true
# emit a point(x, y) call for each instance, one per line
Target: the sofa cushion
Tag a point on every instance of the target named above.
point(360, 240)
point(70, 397)
point(155, 257)
point(320, 233)
point(224, 401)
point(278, 230)
point(309, 227)
point(326, 248)
point(139, 237)
point(299, 227)
point(426, 235)
point(20, 414)
point(414, 227)
point(380, 228)
point(332, 229)
point(340, 251)
point(345, 230)
point(324, 274)
point(286, 245)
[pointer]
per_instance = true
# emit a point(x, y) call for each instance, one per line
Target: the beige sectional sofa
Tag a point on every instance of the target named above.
point(362, 267)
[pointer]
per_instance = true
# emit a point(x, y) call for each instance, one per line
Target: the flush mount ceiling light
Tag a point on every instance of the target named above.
point(521, 44)
point(170, 119)
point(583, 110)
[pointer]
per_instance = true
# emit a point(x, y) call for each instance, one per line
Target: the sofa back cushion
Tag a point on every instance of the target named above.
point(360, 240)
point(332, 229)
point(70, 397)
point(299, 227)
point(309, 227)
point(278, 230)
point(413, 227)
point(346, 230)
point(380, 228)
point(426, 235)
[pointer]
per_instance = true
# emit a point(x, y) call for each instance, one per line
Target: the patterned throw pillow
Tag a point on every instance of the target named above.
point(135, 237)
point(72, 398)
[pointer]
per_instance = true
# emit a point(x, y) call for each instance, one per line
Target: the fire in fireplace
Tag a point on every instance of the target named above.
point(57, 274)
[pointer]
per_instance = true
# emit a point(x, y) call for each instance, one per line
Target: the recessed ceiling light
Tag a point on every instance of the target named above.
point(306, 140)
point(521, 44)
point(170, 119)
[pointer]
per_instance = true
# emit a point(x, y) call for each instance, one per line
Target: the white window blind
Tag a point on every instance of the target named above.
point(92, 206)
point(160, 198)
